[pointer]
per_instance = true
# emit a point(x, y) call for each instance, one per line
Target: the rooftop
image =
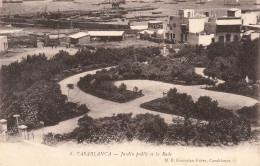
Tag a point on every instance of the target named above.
point(234, 9)
point(229, 22)
point(6, 31)
point(106, 33)
point(3, 37)
point(186, 9)
point(147, 31)
point(3, 121)
point(54, 36)
point(139, 27)
point(249, 32)
point(253, 26)
point(154, 22)
point(79, 35)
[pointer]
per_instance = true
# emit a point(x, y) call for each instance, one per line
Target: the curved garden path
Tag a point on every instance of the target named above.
point(151, 89)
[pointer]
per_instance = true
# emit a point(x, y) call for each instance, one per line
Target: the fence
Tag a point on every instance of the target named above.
point(19, 136)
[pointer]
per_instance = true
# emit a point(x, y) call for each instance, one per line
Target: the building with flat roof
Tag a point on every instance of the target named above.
point(179, 27)
point(107, 35)
point(186, 27)
point(3, 44)
point(53, 39)
point(226, 29)
point(80, 38)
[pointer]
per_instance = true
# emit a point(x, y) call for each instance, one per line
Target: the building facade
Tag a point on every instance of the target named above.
point(188, 28)
point(226, 29)
point(80, 38)
point(107, 35)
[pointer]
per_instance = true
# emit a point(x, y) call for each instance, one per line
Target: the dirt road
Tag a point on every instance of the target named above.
point(151, 89)
point(22, 53)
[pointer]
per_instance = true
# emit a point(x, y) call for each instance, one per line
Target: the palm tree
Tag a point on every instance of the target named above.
point(70, 86)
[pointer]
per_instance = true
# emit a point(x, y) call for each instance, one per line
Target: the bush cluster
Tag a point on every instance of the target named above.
point(152, 129)
point(241, 88)
point(101, 85)
point(182, 104)
point(158, 69)
point(251, 113)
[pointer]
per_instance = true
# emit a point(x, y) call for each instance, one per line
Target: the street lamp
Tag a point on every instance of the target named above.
point(16, 117)
point(42, 126)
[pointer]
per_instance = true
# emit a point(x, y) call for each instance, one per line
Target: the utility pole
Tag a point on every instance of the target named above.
point(58, 26)
point(58, 33)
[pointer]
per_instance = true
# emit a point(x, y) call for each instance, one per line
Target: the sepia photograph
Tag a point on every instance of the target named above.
point(129, 83)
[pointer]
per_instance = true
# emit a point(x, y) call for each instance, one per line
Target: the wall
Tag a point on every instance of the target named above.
point(84, 40)
point(193, 38)
point(196, 25)
point(205, 40)
point(210, 27)
point(3, 43)
point(200, 39)
point(249, 18)
point(177, 29)
point(185, 13)
point(254, 36)
point(224, 34)
point(234, 13)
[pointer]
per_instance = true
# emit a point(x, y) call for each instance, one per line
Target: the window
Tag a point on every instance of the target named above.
point(236, 38)
point(188, 14)
point(228, 37)
point(170, 27)
point(186, 38)
point(171, 17)
point(173, 35)
point(221, 38)
point(174, 25)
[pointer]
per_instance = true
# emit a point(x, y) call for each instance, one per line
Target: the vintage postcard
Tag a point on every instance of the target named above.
point(129, 82)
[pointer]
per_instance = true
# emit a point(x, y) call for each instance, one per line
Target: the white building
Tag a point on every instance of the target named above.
point(3, 43)
point(250, 35)
point(249, 18)
point(189, 28)
point(226, 29)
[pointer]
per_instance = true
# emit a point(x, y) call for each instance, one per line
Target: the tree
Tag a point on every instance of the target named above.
point(207, 108)
point(135, 89)
point(70, 86)
point(250, 59)
point(122, 87)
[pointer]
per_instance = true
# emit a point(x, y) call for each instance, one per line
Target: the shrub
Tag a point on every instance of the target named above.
point(122, 87)
point(152, 128)
point(241, 88)
point(149, 128)
point(50, 140)
point(182, 104)
point(251, 113)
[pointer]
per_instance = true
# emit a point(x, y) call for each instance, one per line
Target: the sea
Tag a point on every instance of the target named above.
point(214, 8)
